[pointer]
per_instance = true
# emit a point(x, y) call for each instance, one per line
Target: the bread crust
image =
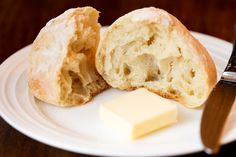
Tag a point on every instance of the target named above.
point(51, 51)
point(160, 16)
point(203, 57)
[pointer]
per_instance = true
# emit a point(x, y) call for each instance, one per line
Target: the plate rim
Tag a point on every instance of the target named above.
point(82, 150)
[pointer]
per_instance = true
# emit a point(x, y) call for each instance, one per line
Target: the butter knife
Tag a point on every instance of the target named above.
point(217, 107)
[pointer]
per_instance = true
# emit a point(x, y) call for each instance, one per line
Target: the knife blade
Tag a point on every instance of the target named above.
point(217, 107)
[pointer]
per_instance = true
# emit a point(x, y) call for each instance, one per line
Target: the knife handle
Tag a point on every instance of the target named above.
point(229, 74)
point(232, 60)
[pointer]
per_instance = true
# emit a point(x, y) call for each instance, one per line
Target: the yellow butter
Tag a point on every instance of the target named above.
point(138, 113)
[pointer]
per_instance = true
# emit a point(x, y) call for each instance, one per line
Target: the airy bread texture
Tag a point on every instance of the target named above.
point(150, 48)
point(61, 62)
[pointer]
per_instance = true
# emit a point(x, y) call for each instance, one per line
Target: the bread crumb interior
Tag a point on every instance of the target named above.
point(79, 80)
point(143, 54)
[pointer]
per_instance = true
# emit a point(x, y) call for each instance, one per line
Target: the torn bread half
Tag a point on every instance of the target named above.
point(151, 48)
point(61, 62)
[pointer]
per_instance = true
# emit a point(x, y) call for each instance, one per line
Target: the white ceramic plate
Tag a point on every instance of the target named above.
point(79, 129)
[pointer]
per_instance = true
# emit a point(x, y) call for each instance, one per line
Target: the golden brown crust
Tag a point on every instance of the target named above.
point(204, 59)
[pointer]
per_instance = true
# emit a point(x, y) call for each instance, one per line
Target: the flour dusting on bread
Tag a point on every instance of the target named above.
point(61, 69)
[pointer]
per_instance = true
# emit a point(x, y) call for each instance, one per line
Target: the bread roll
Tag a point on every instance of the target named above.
point(150, 48)
point(61, 62)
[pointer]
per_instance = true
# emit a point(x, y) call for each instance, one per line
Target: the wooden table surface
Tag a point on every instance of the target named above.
point(21, 20)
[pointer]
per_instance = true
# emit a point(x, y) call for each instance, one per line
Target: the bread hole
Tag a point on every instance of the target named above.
point(151, 77)
point(171, 65)
point(76, 85)
point(117, 70)
point(173, 92)
point(144, 60)
point(169, 79)
point(180, 51)
point(126, 69)
point(165, 65)
point(151, 40)
point(192, 73)
point(191, 93)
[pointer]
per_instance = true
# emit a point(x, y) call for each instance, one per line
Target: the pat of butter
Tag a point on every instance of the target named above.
point(138, 113)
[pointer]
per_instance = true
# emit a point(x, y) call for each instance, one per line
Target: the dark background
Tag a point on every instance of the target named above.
point(21, 20)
